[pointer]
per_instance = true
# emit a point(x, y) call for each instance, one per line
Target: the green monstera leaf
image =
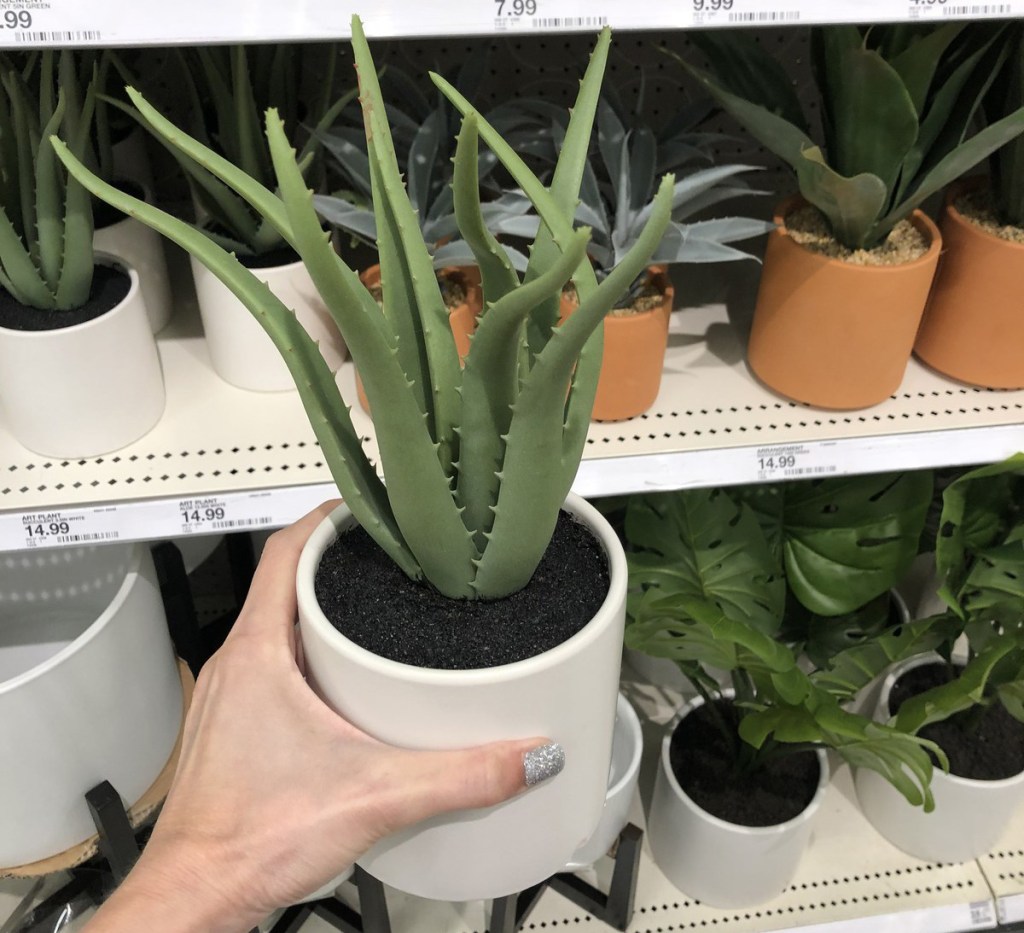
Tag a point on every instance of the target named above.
point(702, 546)
point(843, 541)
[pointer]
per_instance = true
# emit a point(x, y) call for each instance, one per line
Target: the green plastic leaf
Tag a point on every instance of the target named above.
point(852, 205)
point(847, 540)
point(701, 545)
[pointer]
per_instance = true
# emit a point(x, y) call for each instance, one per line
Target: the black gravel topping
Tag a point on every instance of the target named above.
point(109, 287)
point(981, 744)
point(702, 761)
point(370, 601)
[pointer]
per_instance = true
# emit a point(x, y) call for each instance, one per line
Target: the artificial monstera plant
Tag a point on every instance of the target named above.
point(476, 460)
point(897, 106)
point(710, 579)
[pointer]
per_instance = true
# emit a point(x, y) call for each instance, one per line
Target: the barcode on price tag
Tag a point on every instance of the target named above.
point(921, 9)
point(740, 13)
point(794, 461)
point(63, 528)
point(982, 914)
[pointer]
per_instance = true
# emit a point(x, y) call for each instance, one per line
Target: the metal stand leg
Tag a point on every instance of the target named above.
point(117, 838)
point(176, 593)
point(614, 908)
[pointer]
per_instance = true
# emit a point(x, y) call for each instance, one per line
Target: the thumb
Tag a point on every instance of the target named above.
point(471, 778)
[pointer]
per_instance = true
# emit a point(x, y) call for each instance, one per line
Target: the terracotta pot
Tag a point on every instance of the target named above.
point(973, 327)
point(462, 318)
point(634, 356)
point(833, 334)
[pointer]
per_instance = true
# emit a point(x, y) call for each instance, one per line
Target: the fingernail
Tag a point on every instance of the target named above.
point(543, 763)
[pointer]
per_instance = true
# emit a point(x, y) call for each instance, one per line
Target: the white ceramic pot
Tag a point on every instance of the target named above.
point(568, 693)
point(240, 350)
point(84, 390)
point(718, 863)
point(142, 249)
point(659, 672)
point(627, 748)
point(969, 817)
point(89, 690)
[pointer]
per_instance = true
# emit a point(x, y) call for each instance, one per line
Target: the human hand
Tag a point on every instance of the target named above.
point(275, 794)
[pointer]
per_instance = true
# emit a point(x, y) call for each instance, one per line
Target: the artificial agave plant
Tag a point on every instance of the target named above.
point(1007, 97)
point(476, 461)
point(46, 257)
point(897, 105)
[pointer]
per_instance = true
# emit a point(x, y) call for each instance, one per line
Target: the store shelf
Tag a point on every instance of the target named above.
point(1004, 870)
point(234, 459)
point(195, 21)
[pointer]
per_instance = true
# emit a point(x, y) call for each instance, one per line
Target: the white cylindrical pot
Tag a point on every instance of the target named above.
point(627, 749)
point(240, 350)
point(659, 672)
point(718, 863)
point(83, 390)
point(568, 694)
point(89, 690)
point(969, 817)
point(141, 248)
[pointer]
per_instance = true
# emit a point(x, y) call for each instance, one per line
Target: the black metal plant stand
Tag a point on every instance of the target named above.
point(615, 907)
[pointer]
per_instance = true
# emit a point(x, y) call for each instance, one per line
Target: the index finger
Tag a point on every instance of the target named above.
point(271, 604)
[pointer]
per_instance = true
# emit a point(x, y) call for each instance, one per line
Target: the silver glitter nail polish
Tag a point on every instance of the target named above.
point(543, 762)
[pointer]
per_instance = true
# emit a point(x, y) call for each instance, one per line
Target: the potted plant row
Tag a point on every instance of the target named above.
point(848, 270)
point(79, 370)
point(759, 597)
point(967, 695)
point(973, 329)
point(477, 463)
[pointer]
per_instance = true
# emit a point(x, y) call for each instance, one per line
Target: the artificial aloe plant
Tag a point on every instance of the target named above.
point(476, 461)
point(46, 256)
point(237, 85)
point(1005, 97)
point(979, 555)
point(897, 104)
point(709, 583)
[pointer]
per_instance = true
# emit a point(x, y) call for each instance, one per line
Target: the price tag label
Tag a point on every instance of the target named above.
point(982, 914)
point(743, 13)
point(215, 514)
point(67, 527)
point(957, 9)
point(794, 461)
point(544, 14)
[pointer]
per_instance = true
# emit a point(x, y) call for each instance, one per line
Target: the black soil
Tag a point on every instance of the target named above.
point(109, 288)
point(703, 763)
point(370, 601)
point(282, 256)
point(981, 744)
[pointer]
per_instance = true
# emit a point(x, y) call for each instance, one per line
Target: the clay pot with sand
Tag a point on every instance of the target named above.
point(834, 327)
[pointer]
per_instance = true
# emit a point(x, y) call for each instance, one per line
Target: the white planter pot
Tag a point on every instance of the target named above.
point(969, 817)
point(240, 350)
point(723, 864)
point(659, 672)
point(568, 693)
point(84, 390)
point(89, 690)
point(627, 747)
point(141, 248)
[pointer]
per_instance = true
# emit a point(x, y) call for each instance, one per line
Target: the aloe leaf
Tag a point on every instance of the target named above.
point(328, 116)
point(77, 260)
point(960, 161)
point(546, 436)
point(852, 205)
point(25, 159)
point(247, 138)
point(417, 483)
point(49, 210)
point(699, 544)
point(420, 164)
point(23, 279)
point(358, 482)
